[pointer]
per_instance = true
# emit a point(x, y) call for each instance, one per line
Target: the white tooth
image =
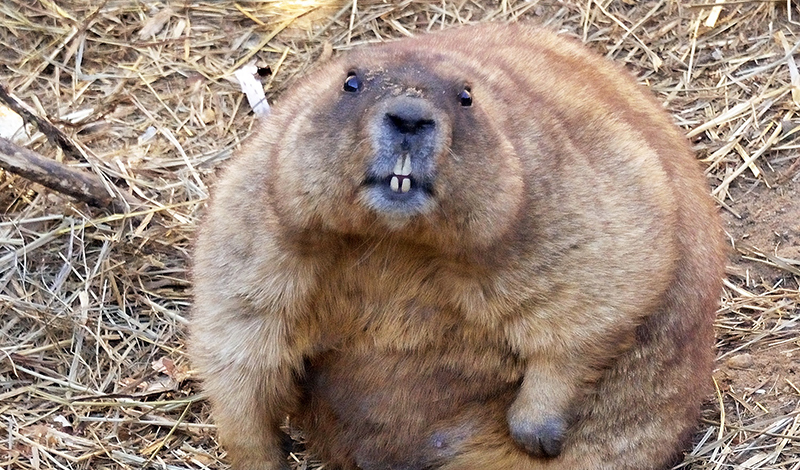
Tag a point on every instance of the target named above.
point(406, 170)
point(394, 184)
point(398, 166)
point(406, 185)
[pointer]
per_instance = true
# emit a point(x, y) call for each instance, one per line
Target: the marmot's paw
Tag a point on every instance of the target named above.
point(540, 438)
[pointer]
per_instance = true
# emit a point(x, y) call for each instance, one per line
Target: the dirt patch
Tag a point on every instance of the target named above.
point(764, 224)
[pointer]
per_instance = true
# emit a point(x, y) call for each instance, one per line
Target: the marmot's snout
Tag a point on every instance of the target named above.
point(408, 131)
point(407, 134)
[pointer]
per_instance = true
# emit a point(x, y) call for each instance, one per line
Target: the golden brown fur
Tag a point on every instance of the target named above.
point(541, 299)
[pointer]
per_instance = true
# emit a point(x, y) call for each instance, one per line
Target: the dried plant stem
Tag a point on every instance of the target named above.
point(56, 176)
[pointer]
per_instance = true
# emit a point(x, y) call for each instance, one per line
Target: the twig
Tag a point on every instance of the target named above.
point(53, 134)
point(56, 176)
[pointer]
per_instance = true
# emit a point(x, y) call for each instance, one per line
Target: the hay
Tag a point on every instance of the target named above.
point(94, 305)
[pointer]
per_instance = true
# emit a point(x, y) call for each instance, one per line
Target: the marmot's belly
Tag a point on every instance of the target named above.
point(404, 410)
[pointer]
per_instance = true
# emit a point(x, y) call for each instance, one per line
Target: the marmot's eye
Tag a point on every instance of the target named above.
point(465, 97)
point(352, 83)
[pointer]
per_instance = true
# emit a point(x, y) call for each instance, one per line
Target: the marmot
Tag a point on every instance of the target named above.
point(479, 249)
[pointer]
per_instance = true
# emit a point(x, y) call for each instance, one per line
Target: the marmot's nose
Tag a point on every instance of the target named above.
point(410, 124)
point(409, 116)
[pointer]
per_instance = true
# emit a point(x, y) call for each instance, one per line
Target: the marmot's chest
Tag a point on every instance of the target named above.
point(394, 300)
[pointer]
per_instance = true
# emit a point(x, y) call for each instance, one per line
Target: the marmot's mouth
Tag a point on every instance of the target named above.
point(398, 187)
point(401, 191)
point(400, 180)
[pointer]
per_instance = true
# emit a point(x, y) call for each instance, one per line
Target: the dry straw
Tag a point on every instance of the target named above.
point(94, 303)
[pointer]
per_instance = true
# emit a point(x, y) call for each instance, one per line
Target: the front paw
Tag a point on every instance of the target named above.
point(542, 437)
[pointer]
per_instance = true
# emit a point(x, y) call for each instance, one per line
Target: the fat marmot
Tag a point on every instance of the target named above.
point(472, 250)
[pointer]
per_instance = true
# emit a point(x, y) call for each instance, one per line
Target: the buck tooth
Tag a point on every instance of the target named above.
point(406, 185)
point(394, 184)
point(406, 170)
point(398, 166)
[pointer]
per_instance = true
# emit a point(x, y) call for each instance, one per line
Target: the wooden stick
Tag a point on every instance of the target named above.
point(53, 134)
point(57, 176)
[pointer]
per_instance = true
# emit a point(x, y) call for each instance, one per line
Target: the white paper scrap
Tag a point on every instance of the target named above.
point(253, 89)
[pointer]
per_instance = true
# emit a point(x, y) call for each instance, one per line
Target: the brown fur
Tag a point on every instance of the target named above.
point(547, 305)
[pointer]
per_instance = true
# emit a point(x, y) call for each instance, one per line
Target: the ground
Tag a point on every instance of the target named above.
point(758, 368)
point(94, 301)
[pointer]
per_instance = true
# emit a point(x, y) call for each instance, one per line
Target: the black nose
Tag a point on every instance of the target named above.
point(409, 123)
point(409, 115)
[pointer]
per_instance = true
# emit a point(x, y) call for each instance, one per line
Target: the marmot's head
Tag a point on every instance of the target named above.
point(403, 139)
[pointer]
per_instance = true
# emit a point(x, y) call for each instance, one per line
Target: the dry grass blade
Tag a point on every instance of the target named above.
point(93, 306)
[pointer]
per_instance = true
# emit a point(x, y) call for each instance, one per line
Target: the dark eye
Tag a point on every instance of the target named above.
point(352, 83)
point(465, 97)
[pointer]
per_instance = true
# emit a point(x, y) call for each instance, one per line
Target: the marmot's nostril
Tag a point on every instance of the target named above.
point(409, 124)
